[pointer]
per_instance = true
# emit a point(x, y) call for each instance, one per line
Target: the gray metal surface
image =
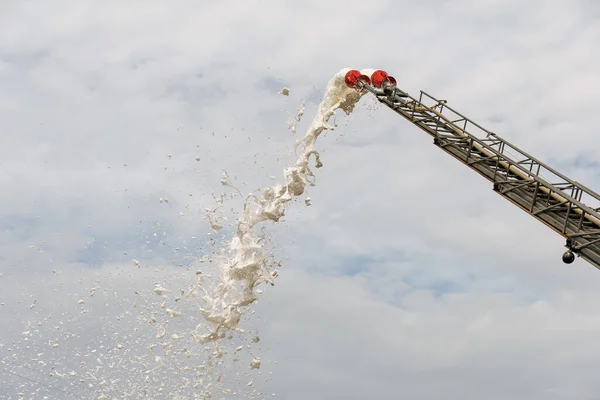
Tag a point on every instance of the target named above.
point(567, 207)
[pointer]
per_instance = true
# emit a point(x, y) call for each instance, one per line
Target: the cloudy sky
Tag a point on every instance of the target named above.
point(407, 277)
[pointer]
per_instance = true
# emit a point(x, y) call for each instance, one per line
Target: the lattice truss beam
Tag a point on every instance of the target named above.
point(566, 206)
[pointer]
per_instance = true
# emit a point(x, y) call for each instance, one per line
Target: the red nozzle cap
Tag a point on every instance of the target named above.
point(391, 80)
point(378, 77)
point(353, 77)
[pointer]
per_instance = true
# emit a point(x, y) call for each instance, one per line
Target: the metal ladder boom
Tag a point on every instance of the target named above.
point(566, 206)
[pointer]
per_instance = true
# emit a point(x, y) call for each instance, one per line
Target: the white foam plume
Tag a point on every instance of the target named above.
point(244, 265)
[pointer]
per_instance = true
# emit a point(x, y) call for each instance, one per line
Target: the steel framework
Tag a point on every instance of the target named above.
point(564, 205)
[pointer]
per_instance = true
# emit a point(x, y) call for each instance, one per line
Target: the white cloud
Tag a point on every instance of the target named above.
point(457, 345)
point(407, 275)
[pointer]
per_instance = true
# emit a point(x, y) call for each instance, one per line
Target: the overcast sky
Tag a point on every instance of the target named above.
point(407, 277)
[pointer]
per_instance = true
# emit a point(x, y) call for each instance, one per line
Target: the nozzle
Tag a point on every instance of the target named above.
point(378, 77)
point(381, 78)
point(354, 78)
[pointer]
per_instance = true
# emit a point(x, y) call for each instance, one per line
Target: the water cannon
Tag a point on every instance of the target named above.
point(355, 79)
point(378, 79)
point(381, 80)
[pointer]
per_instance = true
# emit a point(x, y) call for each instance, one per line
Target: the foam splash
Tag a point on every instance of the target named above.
point(293, 123)
point(149, 350)
point(244, 265)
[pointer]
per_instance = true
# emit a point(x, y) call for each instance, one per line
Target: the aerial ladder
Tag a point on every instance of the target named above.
point(564, 205)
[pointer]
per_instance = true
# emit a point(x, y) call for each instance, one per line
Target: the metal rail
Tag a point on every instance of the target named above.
point(566, 206)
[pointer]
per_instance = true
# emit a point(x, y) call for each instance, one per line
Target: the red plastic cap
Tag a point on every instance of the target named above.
point(392, 80)
point(378, 77)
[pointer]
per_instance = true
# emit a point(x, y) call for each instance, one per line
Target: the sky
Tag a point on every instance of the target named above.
point(407, 277)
